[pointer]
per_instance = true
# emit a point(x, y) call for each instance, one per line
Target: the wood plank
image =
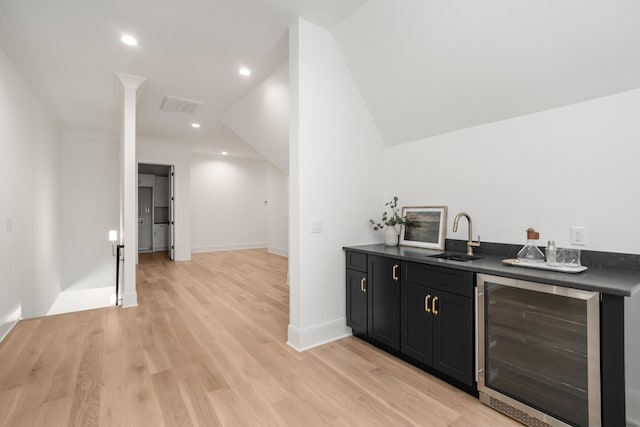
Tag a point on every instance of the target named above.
point(114, 386)
point(206, 347)
point(8, 401)
point(174, 410)
point(85, 410)
point(54, 413)
point(65, 375)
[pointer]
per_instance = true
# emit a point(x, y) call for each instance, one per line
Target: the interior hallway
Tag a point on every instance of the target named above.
point(207, 346)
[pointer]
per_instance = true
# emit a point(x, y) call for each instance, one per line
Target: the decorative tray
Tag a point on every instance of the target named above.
point(544, 266)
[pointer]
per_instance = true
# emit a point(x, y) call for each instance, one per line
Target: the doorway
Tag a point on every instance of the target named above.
point(156, 209)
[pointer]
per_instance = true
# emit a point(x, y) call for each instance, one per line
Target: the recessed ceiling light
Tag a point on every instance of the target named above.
point(244, 71)
point(224, 153)
point(129, 40)
point(195, 125)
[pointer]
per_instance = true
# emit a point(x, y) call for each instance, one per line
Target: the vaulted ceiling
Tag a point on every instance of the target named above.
point(427, 67)
point(424, 67)
point(70, 49)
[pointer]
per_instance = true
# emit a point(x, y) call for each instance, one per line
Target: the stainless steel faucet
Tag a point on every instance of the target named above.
point(470, 243)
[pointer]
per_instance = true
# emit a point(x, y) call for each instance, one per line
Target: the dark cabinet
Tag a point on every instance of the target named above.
point(357, 300)
point(373, 298)
point(383, 295)
point(437, 325)
point(357, 292)
point(453, 336)
point(420, 312)
point(417, 323)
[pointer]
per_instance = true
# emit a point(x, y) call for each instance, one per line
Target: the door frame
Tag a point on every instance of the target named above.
point(172, 207)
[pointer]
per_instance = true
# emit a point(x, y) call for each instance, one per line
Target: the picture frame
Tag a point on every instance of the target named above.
point(427, 228)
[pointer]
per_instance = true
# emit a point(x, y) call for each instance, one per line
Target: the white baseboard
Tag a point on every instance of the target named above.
point(633, 407)
point(8, 322)
point(72, 299)
point(277, 251)
point(182, 256)
point(130, 299)
point(307, 338)
point(230, 247)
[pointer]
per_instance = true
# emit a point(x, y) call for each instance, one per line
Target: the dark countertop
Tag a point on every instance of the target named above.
point(598, 279)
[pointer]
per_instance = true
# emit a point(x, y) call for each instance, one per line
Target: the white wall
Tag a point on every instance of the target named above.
point(89, 200)
point(278, 211)
point(45, 195)
point(28, 190)
point(169, 153)
point(576, 165)
point(14, 191)
point(335, 166)
point(228, 209)
point(220, 200)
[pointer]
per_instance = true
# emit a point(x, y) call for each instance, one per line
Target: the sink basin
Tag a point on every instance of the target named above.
point(453, 256)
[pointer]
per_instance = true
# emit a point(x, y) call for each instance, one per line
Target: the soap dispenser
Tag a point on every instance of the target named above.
point(530, 252)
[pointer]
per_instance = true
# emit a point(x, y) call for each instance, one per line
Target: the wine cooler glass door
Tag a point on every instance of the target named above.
point(541, 346)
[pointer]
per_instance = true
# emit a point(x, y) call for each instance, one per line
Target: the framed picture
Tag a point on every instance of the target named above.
point(427, 227)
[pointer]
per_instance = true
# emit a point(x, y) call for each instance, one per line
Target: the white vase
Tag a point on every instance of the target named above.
point(390, 236)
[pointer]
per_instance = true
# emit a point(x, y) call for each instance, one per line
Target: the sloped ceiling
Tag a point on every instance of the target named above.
point(69, 50)
point(428, 67)
point(261, 118)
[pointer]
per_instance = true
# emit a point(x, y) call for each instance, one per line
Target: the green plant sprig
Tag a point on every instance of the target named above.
point(390, 219)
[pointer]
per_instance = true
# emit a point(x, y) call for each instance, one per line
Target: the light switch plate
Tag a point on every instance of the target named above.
point(316, 225)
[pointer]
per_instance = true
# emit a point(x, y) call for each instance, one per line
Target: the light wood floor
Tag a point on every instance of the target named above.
point(207, 346)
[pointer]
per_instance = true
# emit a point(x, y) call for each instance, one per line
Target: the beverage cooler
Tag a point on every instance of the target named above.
point(538, 352)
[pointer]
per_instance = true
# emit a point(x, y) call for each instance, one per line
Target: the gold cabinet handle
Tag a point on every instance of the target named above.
point(426, 304)
point(433, 306)
point(395, 272)
point(362, 281)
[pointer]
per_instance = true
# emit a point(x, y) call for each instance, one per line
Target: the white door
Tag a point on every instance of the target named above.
point(171, 214)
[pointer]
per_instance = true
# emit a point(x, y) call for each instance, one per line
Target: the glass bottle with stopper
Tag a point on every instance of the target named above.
point(530, 252)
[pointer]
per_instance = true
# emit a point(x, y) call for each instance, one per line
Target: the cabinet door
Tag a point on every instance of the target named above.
point(453, 338)
point(161, 191)
point(357, 300)
point(416, 322)
point(383, 296)
point(160, 237)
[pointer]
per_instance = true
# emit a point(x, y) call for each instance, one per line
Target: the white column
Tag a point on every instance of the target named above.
point(128, 189)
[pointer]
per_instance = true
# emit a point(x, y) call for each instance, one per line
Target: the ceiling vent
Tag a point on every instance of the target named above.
point(179, 105)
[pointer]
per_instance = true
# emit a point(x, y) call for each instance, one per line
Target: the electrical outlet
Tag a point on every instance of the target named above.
point(578, 236)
